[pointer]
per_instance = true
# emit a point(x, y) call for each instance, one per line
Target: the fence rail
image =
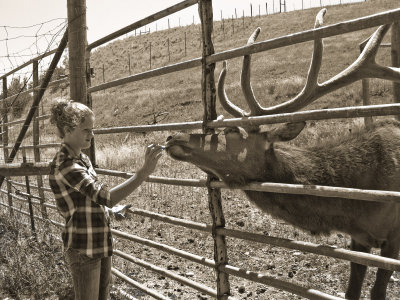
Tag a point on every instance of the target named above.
point(310, 115)
point(20, 169)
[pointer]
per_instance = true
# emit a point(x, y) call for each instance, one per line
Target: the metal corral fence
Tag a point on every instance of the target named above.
point(217, 229)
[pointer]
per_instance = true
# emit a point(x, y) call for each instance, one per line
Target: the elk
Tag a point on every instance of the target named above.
point(366, 159)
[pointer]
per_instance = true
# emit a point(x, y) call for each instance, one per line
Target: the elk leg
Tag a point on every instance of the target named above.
point(378, 292)
point(357, 273)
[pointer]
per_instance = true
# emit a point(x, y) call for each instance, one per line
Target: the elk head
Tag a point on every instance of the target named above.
point(236, 156)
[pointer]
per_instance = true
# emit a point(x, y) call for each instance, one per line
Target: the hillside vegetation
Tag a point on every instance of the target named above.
point(277, 75)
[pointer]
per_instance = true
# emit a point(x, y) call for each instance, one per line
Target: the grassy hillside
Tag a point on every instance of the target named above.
point(276, 75)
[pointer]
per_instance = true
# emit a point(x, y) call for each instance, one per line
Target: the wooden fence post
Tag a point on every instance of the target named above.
point(395, 53)
point(28, 192)
point(169, 53)
point(79, 67)
point(185, 44)
point(89, 73)
point(36, 139)
point(77, 42)
point(129, 63)
point(150, 55)
point(209, 103)
point(5, 141)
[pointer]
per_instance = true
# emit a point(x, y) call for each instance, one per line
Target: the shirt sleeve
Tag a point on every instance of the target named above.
point(78, 177)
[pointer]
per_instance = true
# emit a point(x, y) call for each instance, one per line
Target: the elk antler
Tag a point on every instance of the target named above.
point(364, 67)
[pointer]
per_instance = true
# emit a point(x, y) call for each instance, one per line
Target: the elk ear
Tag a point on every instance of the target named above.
point(285, 132)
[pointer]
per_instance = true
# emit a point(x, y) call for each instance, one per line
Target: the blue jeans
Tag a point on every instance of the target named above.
point(91, 276)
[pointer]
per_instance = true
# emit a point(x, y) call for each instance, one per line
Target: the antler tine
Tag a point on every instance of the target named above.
point(315, 66)
point(225, 102)
point(223, 98)
point(311, 83)
point(247, 89)
point(364, 67)
point(371, 48)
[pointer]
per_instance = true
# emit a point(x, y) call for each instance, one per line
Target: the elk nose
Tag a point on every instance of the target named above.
point(169, 138)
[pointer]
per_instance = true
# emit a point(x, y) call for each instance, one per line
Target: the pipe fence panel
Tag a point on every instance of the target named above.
point(30, 204)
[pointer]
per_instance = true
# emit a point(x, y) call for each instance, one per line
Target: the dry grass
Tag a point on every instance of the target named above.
point(31, 267)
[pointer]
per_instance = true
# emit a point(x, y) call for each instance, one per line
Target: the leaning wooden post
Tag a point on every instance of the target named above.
point(395, 40)
point(5, 141)
point(209, 100)
point(36, 138)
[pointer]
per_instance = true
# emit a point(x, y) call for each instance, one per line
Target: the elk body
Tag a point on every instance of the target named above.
point(366, 159)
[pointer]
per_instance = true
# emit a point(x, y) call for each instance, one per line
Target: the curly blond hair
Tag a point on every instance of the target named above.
point(68, 114)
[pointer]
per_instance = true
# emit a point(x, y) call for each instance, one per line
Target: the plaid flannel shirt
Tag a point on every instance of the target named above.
point(80, 199)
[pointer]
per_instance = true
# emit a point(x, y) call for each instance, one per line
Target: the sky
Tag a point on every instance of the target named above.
point(29, 28)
